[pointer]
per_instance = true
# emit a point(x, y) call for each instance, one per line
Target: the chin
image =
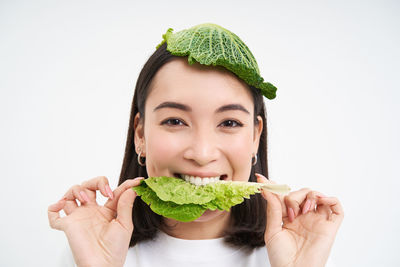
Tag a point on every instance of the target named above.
point(209, 215)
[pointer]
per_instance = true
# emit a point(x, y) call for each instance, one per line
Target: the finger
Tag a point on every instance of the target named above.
point(70, 206)
point(311, 200)
point(313, 205)
point(274, 214)
point(112, 203)
point(77, 192)
point(99, 183)
point(53, 213)
point(324, 210)
point(301, 201)
point(124, 209)
point(294, 200)
point(335, 207)
point(262, 179)
point(274, 211)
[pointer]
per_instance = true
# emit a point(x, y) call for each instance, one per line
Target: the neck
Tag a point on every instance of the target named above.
point(210, 227)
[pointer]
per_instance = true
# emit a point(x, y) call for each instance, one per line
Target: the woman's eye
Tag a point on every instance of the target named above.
point(173, 122)
point(231, 124)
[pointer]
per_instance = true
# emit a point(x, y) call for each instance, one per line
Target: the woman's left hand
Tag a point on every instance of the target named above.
point(301, 227)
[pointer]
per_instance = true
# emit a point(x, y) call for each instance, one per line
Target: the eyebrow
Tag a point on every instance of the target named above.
point(173, 105)
point(232, 107)
point(183, 107)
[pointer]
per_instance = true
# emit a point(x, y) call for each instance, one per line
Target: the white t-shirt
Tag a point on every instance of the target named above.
point(168, 251)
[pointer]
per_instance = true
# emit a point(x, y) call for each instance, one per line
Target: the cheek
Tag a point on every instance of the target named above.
point(162, 152)
point(239, 152)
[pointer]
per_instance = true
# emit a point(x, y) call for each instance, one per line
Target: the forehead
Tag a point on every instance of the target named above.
point(197, 84)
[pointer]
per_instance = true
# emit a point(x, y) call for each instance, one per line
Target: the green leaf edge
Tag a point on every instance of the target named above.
point(212, 205)
point(186, 217)
point(250, 76)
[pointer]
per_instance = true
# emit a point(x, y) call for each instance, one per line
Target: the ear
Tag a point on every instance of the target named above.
point(258, 127)
point(139, 135)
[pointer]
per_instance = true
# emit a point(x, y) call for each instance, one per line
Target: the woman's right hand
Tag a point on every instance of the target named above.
point(98, 235)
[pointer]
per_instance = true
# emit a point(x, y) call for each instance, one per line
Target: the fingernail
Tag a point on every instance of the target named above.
point(291, 214)
point(260, 177)
point(109, 191)
point(84, 196)
point(64, 198)
point(306, 207)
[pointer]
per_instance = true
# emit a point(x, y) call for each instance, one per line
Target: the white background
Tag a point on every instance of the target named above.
point(68, 71)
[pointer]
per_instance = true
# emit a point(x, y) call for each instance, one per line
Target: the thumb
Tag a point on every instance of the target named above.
point(274, 210)
point(124, 209)
point(274, 214)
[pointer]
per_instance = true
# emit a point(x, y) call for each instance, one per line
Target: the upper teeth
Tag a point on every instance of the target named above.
point(196, 180)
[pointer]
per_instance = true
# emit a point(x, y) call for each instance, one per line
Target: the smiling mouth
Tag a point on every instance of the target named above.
point(196, 180)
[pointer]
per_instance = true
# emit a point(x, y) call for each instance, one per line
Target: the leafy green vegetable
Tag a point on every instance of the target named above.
point(210, 44)
point(177, 199)
point(180, 191)
point(169, 209)
point(228, 194)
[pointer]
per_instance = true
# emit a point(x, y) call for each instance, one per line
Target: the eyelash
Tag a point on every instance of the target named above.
point(177, 122)
point(238, 124)
point(168, 122)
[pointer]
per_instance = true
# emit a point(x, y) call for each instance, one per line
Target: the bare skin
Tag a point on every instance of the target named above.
point(96, 234)
point(310, 223)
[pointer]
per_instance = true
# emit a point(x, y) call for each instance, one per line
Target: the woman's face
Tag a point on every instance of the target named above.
point(199, 122)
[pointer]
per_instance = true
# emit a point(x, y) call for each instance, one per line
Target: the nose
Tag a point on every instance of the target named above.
point(203, 148)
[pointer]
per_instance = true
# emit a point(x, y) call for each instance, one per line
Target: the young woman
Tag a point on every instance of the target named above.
point(201, 121)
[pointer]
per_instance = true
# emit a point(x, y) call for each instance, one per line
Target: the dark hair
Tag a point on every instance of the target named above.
point(247, 220)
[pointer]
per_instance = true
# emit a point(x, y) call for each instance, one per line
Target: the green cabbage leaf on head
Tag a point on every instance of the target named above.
point(210, 44)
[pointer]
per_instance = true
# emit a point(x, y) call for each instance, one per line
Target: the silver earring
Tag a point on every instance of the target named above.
point(139, 159)
point(254, 160)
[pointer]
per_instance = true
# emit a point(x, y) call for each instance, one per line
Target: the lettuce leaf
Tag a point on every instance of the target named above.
point(228, 194)
point(180, 191)
point(169, 209)
point(177, 199)
point(211, 44)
